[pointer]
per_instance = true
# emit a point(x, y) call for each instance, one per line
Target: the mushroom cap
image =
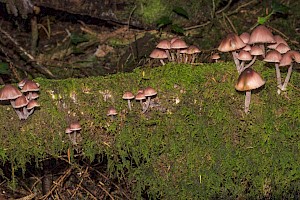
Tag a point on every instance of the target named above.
point(244, 55)
point(232, 42)
point(282, 48)
point(256, 51)
point(149, 91)
point(9, 92)
point(128, 95)
point(192, 49)
point(245, 37)
point(158, 53)
point(278, 40)
point(249, 80)
point(295, 55)
point(247, 48)
point(178, 44)
point(32, 104)
point(75, 126)
point(22, 83)
point(286, 59)
point(273, 56)
point(140, 96)
point(261, 34)
point(164, 44)
point(215, 56)
point(111, 111)
point(30, 86)
point(68, 130)
point(34, 95)
point(20, 102)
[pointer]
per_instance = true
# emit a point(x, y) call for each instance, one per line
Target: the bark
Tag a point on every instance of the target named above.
point(114, 11)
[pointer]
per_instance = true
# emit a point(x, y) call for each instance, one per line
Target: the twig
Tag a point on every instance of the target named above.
point(60, 180)
point(231, 24)
point(282, 34)
point(225, 7)
point(17, 44)
point(79, 184)
point(218, 12)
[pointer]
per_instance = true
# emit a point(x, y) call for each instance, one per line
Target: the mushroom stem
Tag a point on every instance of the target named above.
point(74, 138)
point(168, 54)
point(287, 78)
point(236, 60)
point(278, 78)
point(241, 67)
point(147, 104)
point(247, 101)
point(162, 62)
point(250, 63)
point(129, 104)
point(19, 113)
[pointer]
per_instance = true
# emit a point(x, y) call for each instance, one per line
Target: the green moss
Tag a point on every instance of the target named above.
point(151, 10)
point(197, 142)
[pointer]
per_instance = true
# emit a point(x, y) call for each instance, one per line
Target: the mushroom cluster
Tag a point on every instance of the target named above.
point(175, 50)
point(143, 96)
point(261, 43)
point(23, 102)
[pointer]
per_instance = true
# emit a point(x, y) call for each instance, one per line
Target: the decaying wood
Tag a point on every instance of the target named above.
point(114, 11)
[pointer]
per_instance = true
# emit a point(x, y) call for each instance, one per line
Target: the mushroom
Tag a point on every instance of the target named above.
point(159, 54)
point(193, 50)
point(128, 96)
point(140, 97)
point(232, 43)
point(178, 44)
point(9, 92)
point(148, 92)
point(287, 60)
point(261, 35)
point(275, 57)
point(74, 127)
point(30, 87)
point(165, 45)
point(20, 107)
point(112, 112)
point(243, 56)
point(215, 57)
point(247, 81)
point(31, 106)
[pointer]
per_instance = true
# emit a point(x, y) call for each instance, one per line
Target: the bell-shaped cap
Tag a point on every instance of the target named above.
point(249, 80)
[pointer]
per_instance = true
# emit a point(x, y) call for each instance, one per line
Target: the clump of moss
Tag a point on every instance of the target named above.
point(196, 142)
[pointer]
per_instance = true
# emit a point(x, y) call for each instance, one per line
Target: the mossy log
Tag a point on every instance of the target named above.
point(195, 140)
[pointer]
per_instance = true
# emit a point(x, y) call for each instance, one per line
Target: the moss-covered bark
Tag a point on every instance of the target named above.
point(195, 141)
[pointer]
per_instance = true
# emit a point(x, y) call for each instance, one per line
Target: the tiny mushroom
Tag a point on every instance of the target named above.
point(248, 80)
point(193, 50)
point(112, 112)
point(32, 104)
point(128, 96)
point(20, 107)
point(140, 97)
point(148, 92)
point(74, 127)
